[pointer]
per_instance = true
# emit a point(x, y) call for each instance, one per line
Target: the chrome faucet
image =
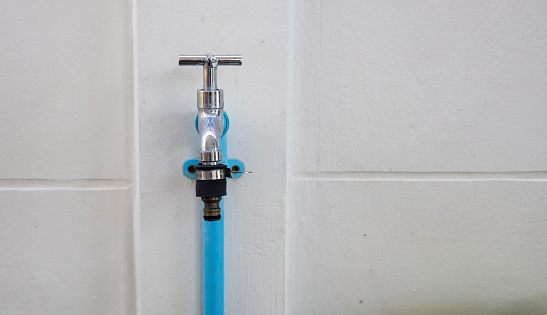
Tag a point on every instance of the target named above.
point(210, 172)
point(210, 105)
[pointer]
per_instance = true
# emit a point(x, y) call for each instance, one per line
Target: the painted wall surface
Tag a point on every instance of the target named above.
point(398, 152)
point(255, 98)
point(417, 169)
point(65, 157)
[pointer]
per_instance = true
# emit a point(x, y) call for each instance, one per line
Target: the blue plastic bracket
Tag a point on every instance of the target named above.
point(233, 164)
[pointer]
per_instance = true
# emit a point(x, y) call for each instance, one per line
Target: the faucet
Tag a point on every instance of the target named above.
point(211, 173)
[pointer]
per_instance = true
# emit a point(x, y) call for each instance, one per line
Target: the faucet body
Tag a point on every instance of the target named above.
point(210, 105)
point(210, 126)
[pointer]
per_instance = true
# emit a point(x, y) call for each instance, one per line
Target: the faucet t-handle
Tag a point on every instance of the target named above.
point(210, 64)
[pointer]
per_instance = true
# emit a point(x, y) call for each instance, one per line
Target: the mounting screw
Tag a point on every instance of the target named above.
point(191, 169)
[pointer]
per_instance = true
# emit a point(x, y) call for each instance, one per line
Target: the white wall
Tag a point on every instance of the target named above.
point(417, 158)
point(255, 99)
point(406, 143)
point(65, 158)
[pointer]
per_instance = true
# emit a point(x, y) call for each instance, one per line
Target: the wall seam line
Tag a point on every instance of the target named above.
point(288, 146)
point(136, 214)
point(530, 176)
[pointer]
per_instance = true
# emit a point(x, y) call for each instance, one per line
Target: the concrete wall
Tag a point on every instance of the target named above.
point(66, 158)
point(417, 162)
point(398, 152)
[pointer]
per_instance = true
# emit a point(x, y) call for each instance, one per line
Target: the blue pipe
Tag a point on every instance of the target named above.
point(213, 266)
point(213, 251)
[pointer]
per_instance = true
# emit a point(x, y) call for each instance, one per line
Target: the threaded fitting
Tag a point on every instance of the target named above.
point(211, 208)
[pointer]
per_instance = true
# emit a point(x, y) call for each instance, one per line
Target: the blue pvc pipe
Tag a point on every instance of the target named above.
point(213, 267)
point(213, 253)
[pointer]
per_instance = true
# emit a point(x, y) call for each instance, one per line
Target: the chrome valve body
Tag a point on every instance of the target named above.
point(210, 103)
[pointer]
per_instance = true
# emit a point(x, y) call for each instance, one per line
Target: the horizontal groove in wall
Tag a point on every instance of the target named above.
point(37, 184)
point(531, 176)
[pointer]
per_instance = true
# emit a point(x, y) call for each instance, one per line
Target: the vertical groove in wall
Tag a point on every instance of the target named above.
point(288, 146)
point(136, 164)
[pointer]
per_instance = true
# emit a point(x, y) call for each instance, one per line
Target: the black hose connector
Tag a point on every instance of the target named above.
point(211, 187)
